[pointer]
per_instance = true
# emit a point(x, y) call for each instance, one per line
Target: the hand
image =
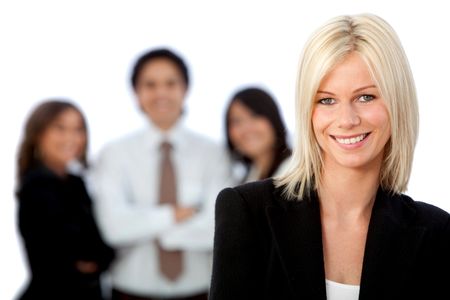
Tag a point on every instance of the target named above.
point(86, 267)
point(183, 213)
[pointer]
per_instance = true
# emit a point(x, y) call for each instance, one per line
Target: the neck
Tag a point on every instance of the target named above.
point(58, 169)
point(348, 193)
point(263, 162)
point(165, 127)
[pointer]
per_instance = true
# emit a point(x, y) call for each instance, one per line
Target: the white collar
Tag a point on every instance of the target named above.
point(154, 136)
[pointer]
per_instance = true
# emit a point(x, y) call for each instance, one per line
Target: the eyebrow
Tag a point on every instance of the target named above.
point(355, 91)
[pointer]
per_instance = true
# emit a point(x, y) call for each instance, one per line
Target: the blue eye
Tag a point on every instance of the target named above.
point(366, 98)
point(327, 101)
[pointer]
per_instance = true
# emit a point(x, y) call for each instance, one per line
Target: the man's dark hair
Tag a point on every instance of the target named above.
point(159, 54)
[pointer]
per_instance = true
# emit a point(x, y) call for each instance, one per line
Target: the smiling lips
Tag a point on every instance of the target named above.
point(350, 140)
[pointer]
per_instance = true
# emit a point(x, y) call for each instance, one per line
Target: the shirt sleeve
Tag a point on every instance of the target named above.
point(121, 221)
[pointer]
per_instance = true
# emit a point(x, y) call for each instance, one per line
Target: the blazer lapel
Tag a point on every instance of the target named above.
point(296, 229)
point(391, 248)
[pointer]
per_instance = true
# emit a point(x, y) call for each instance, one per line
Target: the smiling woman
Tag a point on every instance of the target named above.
point(256, 134)
point(336, 225)
point(350, 118)
point(55, 134)
point(65, 252)
point(367, 52)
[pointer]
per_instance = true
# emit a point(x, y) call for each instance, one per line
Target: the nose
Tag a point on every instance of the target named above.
point(242, 128)
point(72, 136)
point(160, 91)
point(348, 117)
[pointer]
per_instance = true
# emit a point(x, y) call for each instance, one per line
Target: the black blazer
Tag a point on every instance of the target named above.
point(270, 247)
point(58, 229)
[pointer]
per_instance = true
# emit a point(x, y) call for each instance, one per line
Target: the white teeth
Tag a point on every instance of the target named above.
point(352, 140)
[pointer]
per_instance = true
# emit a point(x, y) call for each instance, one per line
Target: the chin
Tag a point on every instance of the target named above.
point(67, 159)
point(355, 162)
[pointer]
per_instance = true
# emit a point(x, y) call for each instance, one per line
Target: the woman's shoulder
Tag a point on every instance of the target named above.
point(38, 193)
point(37, 177)
point(256, 188)
point(425, 214)
point(43, 183)
point(255, 195)
point(242, 210)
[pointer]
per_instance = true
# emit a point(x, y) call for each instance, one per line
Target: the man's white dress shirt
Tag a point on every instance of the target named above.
point(126, 190)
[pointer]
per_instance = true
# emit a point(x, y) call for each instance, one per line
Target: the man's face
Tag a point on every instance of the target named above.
point(160, 90)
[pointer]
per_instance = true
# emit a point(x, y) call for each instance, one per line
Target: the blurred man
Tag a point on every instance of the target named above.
point(156, 189)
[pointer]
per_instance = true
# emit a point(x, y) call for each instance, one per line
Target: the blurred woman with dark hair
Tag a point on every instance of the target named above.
point(65, 251)
point(256, 135)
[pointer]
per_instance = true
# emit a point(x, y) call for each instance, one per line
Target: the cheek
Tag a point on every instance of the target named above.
point(145, 94)
point(81, 142)
point(386, 131)
point(318, 118)
point(235, 133)
point(266, 131)
point(47, 143)
point(379, 119)
point(180, 92)
point(321, 120)
point(177, 92)
point(180, 99)
point(142, 100)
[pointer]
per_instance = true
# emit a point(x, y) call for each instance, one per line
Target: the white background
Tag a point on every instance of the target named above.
point(83, 50)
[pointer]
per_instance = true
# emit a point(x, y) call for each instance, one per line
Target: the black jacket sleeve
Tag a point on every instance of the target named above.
point(91, 245)
point(48, 237)
point(238, 262)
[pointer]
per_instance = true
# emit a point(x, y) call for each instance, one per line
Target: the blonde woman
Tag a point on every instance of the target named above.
point(336, 225)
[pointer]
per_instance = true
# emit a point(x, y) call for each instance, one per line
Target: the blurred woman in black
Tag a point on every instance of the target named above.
point(65, 251)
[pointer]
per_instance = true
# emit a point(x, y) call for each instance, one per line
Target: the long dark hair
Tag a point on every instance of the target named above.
point(39, 120)
point(262, 104)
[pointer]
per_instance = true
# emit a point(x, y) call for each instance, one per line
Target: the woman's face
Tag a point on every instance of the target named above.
point(350, 119)
point(63, 140)
point(252, 135)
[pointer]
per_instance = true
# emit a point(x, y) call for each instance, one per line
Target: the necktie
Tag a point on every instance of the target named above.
point(170, 262)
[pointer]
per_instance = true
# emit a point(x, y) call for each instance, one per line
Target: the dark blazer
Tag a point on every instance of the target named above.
point(58, 229)
point(270, 247)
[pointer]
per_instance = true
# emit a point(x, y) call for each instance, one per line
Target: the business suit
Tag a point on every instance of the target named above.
point(58, 229)
point(270, 247)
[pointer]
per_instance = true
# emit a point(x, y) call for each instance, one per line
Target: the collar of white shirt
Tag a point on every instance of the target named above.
point(176, 135)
